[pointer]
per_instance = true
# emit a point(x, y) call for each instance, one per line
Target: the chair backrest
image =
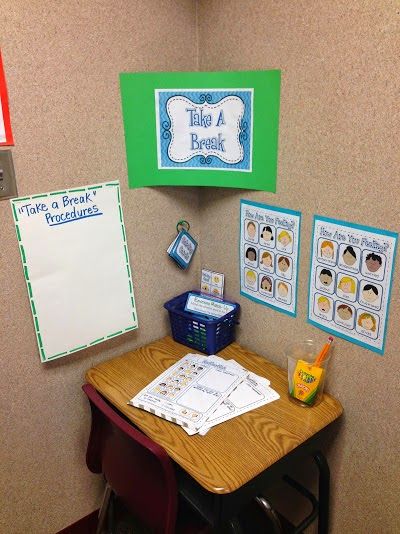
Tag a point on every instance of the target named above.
point(138, 470)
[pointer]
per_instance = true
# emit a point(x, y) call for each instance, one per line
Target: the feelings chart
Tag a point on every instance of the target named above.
point(350, 281)
point(269, 252)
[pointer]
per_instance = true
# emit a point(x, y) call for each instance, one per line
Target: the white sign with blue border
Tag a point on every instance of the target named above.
point(351, 270)
point(207, 306)
point(269, 255)
point(204, 129)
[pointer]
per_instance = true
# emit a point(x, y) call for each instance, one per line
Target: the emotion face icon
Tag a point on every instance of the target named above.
point(327, 250)
point(283, 263)
point(284, 238)
point(325, 277)
point(251, 278)
point(370, 293)
point(373, 262)
point(347, 285)
point(344, 312)
point(349, 256)
point(324, 305)
point(367, 321)
point(251, 254)
point(251, 230)
point(267, 234)
point(283, 290)
point(266, 260)
point(266, 284)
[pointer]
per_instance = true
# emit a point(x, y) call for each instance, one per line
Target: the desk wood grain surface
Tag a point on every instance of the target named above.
point(232, 453)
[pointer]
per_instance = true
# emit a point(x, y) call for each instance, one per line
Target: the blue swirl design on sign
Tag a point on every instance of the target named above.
point(203, 161)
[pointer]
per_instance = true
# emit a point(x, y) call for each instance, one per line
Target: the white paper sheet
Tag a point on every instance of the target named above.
point(190, 391)
point(76, 265)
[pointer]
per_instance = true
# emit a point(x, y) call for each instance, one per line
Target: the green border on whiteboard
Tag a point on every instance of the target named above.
point(139, 115)
point(43, 356)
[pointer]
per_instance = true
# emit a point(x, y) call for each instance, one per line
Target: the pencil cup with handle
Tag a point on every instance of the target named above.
point(307, 371)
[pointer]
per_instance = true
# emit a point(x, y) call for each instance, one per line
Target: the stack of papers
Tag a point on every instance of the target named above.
point(199, 392)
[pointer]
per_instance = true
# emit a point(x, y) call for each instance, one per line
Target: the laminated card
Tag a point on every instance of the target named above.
point(76, 266)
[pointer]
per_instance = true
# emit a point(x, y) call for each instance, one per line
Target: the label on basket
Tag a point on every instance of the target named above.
point(207, 306)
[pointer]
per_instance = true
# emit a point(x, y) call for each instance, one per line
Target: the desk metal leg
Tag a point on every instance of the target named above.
point(323, 492)
point(271, 514)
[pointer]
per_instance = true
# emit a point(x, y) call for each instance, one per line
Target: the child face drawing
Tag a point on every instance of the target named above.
point(251, 278)
point(373, 263)
point(369, 295)
point(284, 240)
point(251, 255)
point(327, 252)
point(267, 235)
point(348, 258)
point(267, 261)
point(324, 305)
point(251, 230)
point(367, 323)
point(325, 279)
point(283, 264)
point(344, 312)
point(283, 290)
point(346, 287)
point(266, 285)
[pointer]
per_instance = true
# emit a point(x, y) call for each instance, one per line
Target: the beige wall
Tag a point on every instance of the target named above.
point(62, 61)
point(338, 156)
point(338, 144)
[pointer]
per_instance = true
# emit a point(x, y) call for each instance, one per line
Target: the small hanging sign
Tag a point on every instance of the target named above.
point(183, 247)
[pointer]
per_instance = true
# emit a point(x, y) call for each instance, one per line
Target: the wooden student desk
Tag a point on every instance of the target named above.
point(235, 460)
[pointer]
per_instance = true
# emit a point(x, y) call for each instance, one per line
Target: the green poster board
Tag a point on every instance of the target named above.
point(202, 128)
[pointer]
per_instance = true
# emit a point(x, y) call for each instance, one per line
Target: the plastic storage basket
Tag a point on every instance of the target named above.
point(196, 331)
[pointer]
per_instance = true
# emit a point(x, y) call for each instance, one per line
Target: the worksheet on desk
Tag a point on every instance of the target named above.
point(253, 392)
point(190, 391)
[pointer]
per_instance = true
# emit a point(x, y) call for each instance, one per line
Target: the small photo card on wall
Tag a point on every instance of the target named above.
point(350, 281)
point(217, 129)
point(212, 283)
point(269, 255)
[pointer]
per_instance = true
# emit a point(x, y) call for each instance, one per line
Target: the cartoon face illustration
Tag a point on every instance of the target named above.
point(347, 285)
point(251, 254)
point(325, 277)
point(349, 256)
point(266, 259)
point(283, 289)
point(344, 312)
point(266, 283)
point(251, 277)
point(373, 262)
point(370, 293)
point(367, 321)
point(284, 238)
point(251, 230)
point(283, 263)
point(267, 234)
point(327, 249)
point(324, 305)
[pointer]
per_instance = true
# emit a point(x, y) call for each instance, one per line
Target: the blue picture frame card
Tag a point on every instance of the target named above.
point(269, 255)
point(351, 270)
point(182, 249)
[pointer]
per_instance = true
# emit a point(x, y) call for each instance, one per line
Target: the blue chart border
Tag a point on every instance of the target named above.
point(279, 210)
point(365, 228)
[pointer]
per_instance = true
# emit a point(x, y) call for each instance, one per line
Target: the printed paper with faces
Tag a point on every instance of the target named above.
point(269, 250)
point(350, 280)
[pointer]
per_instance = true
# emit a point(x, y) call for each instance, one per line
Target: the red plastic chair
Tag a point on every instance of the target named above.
point(137, 470)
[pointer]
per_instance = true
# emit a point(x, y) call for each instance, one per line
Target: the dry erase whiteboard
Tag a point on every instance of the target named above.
point(76, 266)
